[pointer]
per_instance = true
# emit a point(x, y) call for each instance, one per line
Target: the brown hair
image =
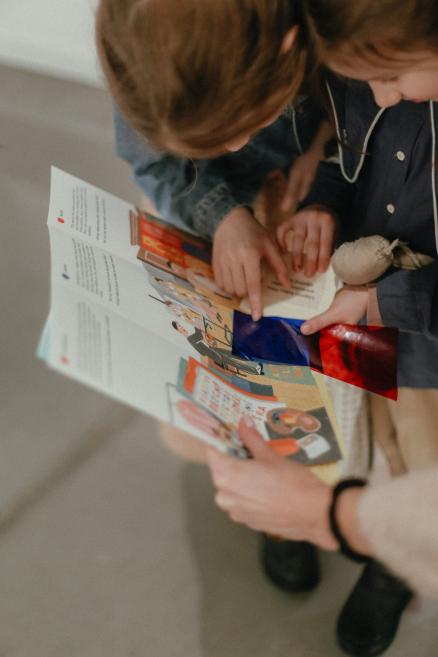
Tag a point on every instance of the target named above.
point(372, 29)
point(192, 75)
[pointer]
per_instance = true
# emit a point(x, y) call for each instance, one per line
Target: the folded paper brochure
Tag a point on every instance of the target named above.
point(135, 314)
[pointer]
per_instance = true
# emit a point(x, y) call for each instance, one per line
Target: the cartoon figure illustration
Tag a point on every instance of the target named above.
point(156, 266)
point(204, 421)
point(185, 314)
point(218, 333)
point(285, 422)
point(187, 297)
point(200, 282)
point(162, 240)
point(221, 357)
point(193, 308)
point(286, 427)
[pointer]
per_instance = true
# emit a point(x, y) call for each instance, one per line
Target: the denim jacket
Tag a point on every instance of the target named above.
point(197, 194)
point(385, 183)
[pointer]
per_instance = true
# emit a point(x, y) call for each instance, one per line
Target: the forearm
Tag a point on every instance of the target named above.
point(325, 133)
point(400, 520)
point(348, 520)
point(182, 203)
point(396, 523)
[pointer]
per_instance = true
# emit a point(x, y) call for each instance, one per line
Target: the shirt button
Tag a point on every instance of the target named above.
point(390, 208)
point(401, 157)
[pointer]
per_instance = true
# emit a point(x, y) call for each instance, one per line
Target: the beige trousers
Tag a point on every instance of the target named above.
point(407, 430)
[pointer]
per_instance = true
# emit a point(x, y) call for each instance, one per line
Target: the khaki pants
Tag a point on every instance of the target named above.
point(407, 430)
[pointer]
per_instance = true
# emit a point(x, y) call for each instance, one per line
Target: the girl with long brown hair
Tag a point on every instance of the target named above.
point(197, 80)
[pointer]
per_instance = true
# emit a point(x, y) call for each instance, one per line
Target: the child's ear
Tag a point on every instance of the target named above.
point(289, 39)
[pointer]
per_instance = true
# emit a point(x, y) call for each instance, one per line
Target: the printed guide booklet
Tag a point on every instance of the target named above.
point(135, 314)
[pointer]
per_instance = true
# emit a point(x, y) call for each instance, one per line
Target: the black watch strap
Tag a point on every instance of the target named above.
point(344, 546)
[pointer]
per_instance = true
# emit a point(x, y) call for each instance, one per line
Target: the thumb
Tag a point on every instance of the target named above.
point(317, 323)
point(252, 439)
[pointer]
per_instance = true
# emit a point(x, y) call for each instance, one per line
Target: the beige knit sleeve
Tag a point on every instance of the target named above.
point(400, 520)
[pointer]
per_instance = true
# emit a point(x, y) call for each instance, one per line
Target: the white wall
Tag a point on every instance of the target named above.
point(50, 36)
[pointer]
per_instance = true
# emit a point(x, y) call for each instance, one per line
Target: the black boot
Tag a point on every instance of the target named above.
point(369, 619)
point(291, 565)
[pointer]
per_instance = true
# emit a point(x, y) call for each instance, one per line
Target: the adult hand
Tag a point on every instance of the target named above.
point(271, 494)
point(348, 307)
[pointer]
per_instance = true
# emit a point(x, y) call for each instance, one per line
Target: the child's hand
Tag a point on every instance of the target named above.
point(239, 246)
point(301, 177)
point(348, 307)
point(308, 236)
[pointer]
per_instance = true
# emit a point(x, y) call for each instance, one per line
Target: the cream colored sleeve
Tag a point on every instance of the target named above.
point(400, 520)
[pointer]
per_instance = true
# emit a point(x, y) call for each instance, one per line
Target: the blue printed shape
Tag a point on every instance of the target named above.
point(271, 339)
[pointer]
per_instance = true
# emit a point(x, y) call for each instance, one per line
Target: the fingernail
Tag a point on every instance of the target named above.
point(305, 329)
point(248, 421)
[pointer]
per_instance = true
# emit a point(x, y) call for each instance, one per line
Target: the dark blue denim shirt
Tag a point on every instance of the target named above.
point(385, 183)
point(197, 194)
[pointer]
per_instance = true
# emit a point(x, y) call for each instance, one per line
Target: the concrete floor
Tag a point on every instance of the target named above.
point(109, 546)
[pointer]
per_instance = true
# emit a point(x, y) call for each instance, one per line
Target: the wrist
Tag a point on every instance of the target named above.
point(240, 211)
point(238, 214)
point(316, 207)
point(347, 517)
point(321, 531)
point(316, 151)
